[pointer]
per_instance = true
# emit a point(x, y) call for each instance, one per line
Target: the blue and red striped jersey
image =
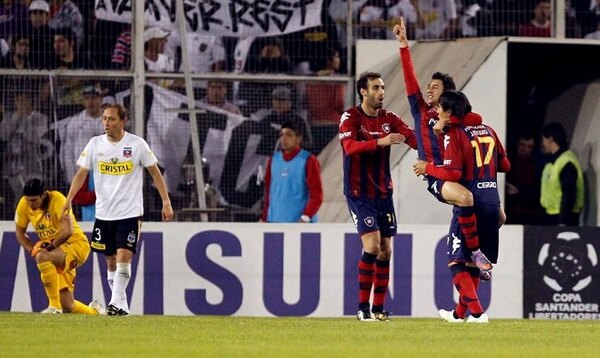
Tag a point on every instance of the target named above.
point(366, 165)
point(473, 157)
point(430, 145)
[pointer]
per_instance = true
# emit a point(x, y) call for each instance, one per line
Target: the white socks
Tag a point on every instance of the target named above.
point(121, 280)
point(110, 278)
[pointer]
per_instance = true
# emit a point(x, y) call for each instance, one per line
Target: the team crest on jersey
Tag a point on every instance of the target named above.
point(386, 127)
point(369, 221)
point(127, 152)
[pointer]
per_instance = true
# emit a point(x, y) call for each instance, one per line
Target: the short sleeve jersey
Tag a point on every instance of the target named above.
point(118, 174)
point(46, 222)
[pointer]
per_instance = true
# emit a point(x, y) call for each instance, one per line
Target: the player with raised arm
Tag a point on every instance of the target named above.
point(473, 156)
point(366, 133)
point(431, 146)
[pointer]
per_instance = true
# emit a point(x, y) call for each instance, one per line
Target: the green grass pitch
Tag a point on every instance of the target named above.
point(36, 335)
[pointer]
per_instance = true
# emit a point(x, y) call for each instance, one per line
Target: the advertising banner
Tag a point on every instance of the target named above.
point(256, 269)
point(561, 273)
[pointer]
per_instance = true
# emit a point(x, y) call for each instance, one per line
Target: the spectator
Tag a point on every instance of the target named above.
point(522, 185)
point(77, 130)
point(216, 95)
point(155, 59)
point(266, 55)
point(68, 16)
point(588, 15)
point(41, 36)
point(540, 25)
point(377, 17)
point(325, 102)
point(67, 56)
point(281, 112)
point(23, 129)
point(206, 53)
point(438, 19)
point(13, 14)
point(562, 190)
point(18, 57)
point(121, 55)
point(293, 189)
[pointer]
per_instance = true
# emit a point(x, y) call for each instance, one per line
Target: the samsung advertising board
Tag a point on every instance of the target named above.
point(254, 269)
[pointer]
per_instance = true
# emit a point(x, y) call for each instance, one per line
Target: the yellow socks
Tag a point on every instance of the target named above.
point(49, 278)
point(81, 308)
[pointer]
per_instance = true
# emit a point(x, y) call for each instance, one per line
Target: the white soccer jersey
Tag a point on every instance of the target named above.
point(118, 174)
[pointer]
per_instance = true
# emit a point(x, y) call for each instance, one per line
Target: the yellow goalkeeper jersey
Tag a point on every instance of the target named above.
point(46, 221)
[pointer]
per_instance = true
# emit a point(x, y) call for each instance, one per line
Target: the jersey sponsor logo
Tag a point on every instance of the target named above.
point(447, 161)
point(344, 135)
point(487, 185)
point(446, 140)
point(369, 221)
point(117, 168)
point(44, 232)
point(98, 246)
point(386, 127)
point(127, 152)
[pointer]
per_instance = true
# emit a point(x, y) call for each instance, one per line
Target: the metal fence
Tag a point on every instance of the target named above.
point(211, 106)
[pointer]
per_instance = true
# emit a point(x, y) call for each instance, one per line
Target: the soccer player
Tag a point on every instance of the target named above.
point(473, 156)
point(117, 159)
point(431, 145)
point(61, 248)
point(366, 133)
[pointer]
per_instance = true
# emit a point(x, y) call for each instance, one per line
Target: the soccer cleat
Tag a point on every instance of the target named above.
point(448, 316)
point(51, 310)
point(481, 319)
point(98, 307)
point(485, 275)
point(381, 316)
point(113, 310)
point(364, 315)
point(481, 261)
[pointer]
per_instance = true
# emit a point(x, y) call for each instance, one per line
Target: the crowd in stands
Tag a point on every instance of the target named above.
point(65, 34)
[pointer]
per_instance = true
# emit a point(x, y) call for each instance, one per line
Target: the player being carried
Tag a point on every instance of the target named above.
point(431, 148)
point(473, 156)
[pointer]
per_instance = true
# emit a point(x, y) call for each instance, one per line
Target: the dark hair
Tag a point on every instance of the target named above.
point(447, 80)
point(456, 102)
point(34, 187)
point(68, 34)
point(14, 38)
point(557, 132)
point(363, 80)
point(120, 109)
point(295, 127)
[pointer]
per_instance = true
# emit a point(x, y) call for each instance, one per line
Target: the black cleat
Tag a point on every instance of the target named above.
point(113, 310)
